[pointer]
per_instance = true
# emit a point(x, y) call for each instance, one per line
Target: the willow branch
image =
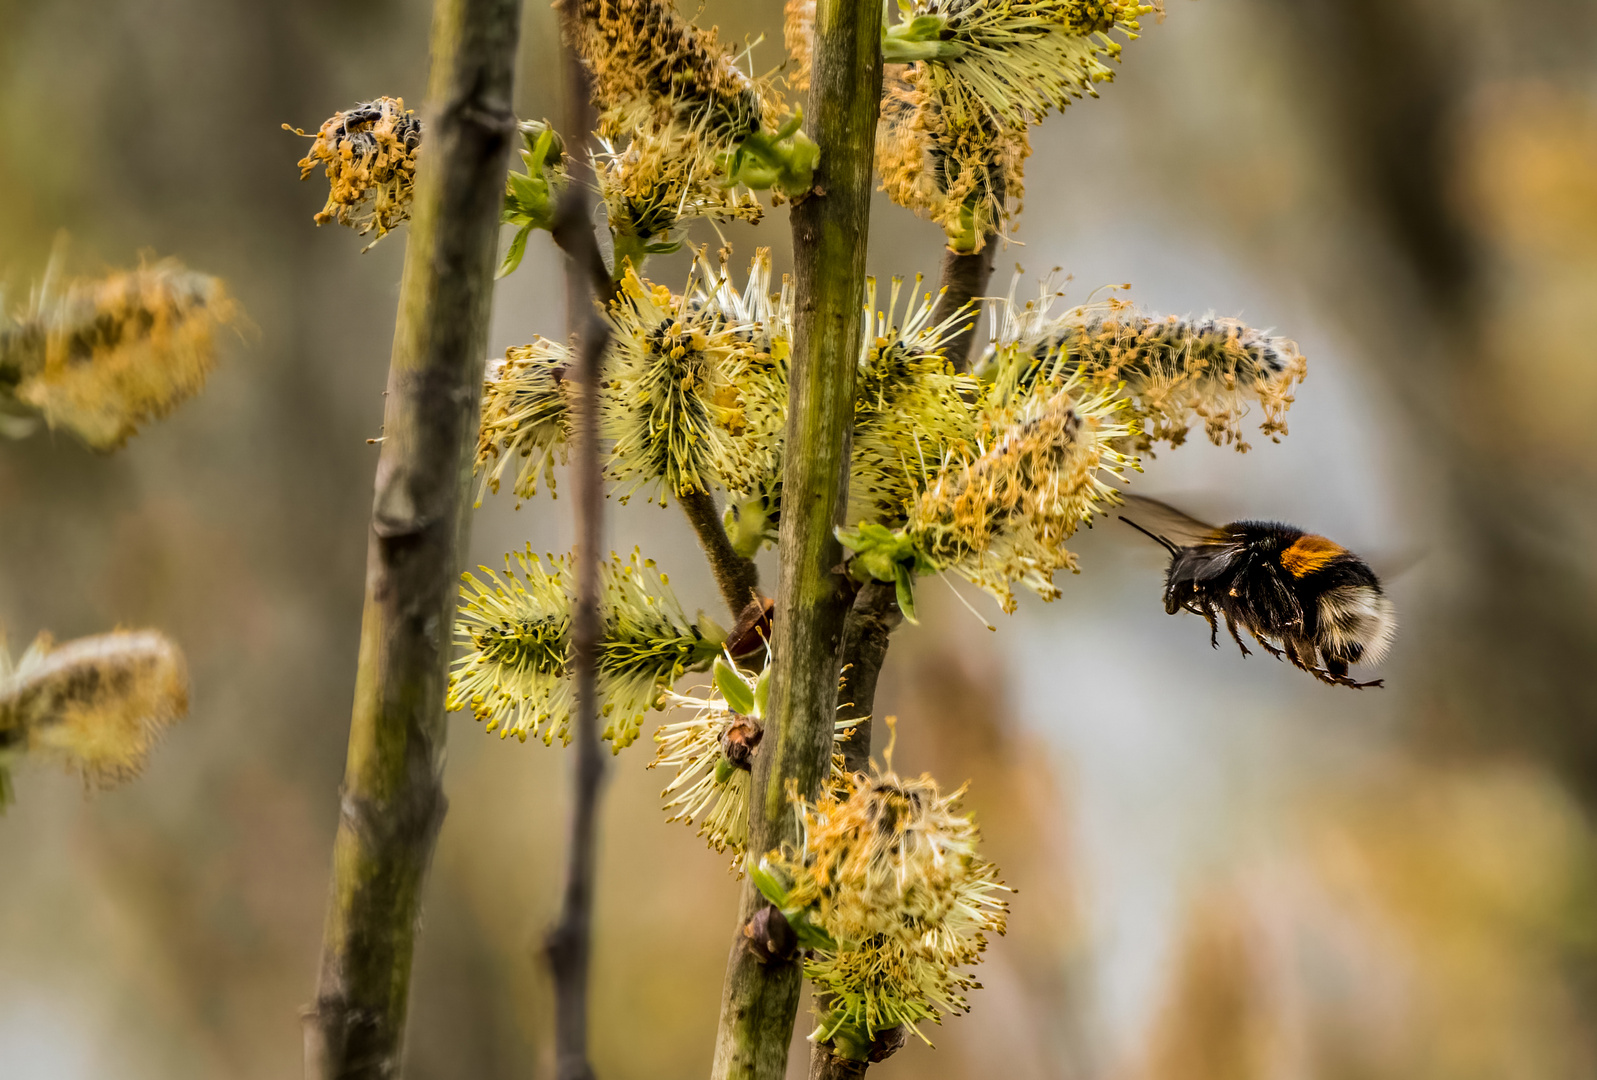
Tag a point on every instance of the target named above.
point(392, 798)
point(735, 575)
point(830, 226)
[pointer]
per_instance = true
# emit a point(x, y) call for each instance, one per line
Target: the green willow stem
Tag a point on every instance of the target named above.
point(392, 797)
point(760, 997)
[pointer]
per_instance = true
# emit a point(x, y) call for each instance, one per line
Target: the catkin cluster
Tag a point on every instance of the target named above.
point(888, 887)
point(964, 81)
point(1169, 371)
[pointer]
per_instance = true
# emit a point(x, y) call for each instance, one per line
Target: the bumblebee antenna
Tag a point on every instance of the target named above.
point(1155, 537)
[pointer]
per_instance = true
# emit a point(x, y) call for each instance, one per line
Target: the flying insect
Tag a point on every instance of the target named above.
point(1302, 597)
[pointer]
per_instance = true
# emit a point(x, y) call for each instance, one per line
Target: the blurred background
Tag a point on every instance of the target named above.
point(1226, 870)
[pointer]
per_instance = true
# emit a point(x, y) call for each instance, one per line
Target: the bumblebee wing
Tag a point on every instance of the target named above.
point(1166, 524)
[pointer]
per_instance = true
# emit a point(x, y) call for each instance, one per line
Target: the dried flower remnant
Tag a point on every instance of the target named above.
point(98, 704)
point(911, 409)
point(525, 418)
point(101, 356)
point(888, 891)
point(369, 158)
point(1167, 369)
point(713, 754)
point(672, 402)
point(516, 671)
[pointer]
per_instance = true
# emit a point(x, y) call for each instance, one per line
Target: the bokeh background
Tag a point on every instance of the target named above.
point(1226, 870)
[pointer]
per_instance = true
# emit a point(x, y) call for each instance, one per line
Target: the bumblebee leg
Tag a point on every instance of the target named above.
point(1334, 673)
point(1301, 655)
point(1230, 624)
point(1214, 627)
point(1265, 644)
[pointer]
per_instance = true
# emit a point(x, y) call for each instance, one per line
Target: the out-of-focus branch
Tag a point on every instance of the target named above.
point(1393, 91)
point(393, 798)
point(830, 225)
point(570, 942)
point(736, 576)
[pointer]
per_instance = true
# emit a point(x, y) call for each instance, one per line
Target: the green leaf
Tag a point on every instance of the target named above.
point(766, 879)
point(809, 932)
point(528, 194)
point(739, 698)
point(905, 588)
point(518, 248)
point(762, 694)
point(724, 769)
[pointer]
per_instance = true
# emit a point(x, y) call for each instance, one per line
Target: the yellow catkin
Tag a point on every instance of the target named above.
point(98, 703)
point(101, 356)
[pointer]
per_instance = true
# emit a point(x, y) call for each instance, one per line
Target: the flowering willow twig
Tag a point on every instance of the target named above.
point(393, 798)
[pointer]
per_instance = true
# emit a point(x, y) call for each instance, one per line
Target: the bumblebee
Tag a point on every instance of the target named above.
point(1302, 597)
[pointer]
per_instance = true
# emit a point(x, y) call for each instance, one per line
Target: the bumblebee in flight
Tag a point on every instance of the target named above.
point(1302, 597)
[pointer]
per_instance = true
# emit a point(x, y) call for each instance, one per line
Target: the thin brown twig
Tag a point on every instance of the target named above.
point(872, 618)
point(735, 575)
point(569, 944)
point(964, 278)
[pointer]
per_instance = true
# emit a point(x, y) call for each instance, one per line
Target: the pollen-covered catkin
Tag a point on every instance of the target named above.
point(946, 160)
point(999, 513)
point(888, 877)
point(664, 178)
point(911, 409)
point(713, 754)
point(1016, 59)
point(1169, 370)
point(102, 356)
point(672, 404)
point(98, 704)
point(646, 59)
point(368, 154)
